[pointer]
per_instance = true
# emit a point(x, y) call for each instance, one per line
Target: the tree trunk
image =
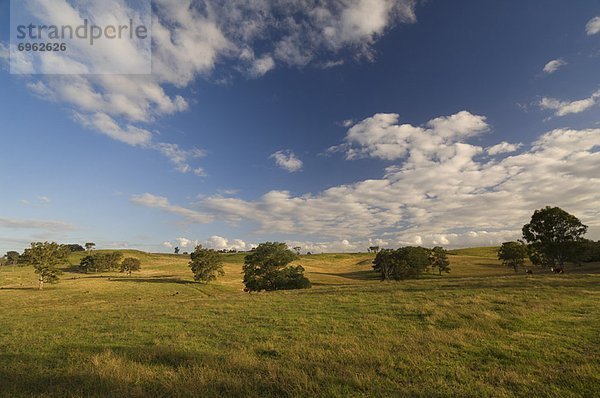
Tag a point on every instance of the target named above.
point(41, 282)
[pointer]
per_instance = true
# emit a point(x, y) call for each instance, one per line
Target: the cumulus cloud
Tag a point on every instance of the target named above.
point(159, 202)
point(593, 26)
point(454, 197)
point(189, 39)
point(287, 160)
point(563, 108)
point(220, 243)
point(214, 242)
point(554, 65)
point(382, 136)
point(503, 147)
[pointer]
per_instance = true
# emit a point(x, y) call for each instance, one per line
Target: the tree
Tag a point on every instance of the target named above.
point(206, 264)
point(266, 268)
point(552, 232)
point(74, 247)
point(297, 250)
point(438, 258)
point(374, 249)
point(90, 246)
point(12, 258)
point(130, 264)
point(45, 258)
point(403, 263)
point(177, 250)
point(513, 254)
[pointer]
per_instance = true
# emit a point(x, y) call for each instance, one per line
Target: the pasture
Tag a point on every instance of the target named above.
point(480, 331)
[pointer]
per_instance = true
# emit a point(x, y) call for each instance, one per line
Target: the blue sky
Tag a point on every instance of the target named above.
point(369, 122)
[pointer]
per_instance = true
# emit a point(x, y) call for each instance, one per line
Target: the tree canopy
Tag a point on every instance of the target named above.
point(403, 263)
point(206, 264)
point(45, 258)
point(130, 264)
point(552, 234)
point(266, 268)
point(438, 259)
point(513, 254)
point(101, 262)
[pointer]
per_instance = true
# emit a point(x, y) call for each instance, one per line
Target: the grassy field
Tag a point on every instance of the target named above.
point(480, 331)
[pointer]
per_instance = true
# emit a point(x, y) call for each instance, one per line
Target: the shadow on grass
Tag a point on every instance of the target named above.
point(157, 279)
point(107, 372)
point(19, 288)
point(365, 275)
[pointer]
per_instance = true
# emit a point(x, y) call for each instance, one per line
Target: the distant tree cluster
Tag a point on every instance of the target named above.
point(410, 262)
point(74, 247)
point(101, 262)
point(12, 258)
point(267, 268)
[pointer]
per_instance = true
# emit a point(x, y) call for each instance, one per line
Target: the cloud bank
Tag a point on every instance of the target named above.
point(441, 189)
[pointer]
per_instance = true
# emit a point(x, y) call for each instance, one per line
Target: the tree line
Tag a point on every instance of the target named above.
point(410, 262)
point(552, 238)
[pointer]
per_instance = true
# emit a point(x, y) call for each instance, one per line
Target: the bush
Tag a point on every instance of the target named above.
point(266, 268)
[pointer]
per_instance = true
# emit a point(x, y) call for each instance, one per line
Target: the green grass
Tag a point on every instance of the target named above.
point(480, 331)
point(489, 252)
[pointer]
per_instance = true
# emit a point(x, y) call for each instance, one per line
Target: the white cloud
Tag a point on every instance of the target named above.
point(262, 65)
point(184, 242)
point(554, 65)
point(189, 39)
point(220, 243)
point(287, 160)
point(455, 198)
point(168, 245)
point(503, 147)
point(381, 136)
point(180, 157)
point(12, 223)
point(104, 124)
point(593, 26)
point(159, 202)
point(564, 108)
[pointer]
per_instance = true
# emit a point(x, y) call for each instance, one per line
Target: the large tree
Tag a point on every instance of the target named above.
point(206, 264)
point(45, 259)
point(553, 233)
point(266, 268)
point(513, 254)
